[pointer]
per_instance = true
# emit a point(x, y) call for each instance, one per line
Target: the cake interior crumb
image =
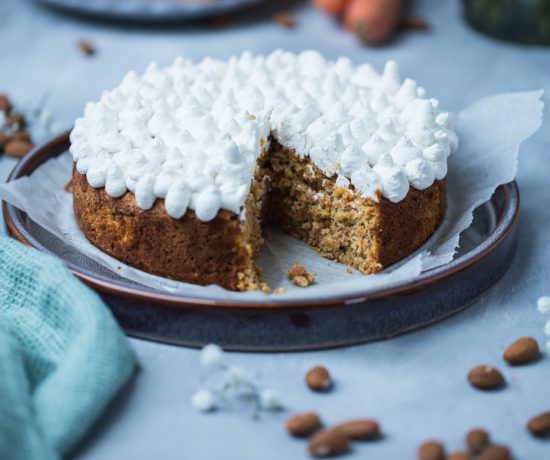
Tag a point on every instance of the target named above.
point(291, 193)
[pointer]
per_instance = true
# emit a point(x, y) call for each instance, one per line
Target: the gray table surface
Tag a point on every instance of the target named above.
point(414, 384)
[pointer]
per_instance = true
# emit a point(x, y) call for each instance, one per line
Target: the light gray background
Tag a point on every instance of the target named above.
point(415, 385)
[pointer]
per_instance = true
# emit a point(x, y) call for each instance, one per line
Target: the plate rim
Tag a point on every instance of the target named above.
point(505, 224)
point(144, 13)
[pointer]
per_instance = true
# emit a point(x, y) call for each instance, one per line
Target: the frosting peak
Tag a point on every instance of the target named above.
point(191, 133)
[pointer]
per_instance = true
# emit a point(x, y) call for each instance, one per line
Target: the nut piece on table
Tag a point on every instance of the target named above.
point(328, 443)
point(540, 425)
point(431, 450)
point(285, 19)
point(4, 139)
point(17, 148)
point(359, 430)
point(318, 379)
point(86, 47)
point(303, 424)
point(459, 455)
point(496, 452)
point(486, 377)
point(522, 351)
point(477, 439)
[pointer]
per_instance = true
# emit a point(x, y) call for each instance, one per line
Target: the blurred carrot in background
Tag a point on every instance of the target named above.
point(373, 21)
point(334, 7)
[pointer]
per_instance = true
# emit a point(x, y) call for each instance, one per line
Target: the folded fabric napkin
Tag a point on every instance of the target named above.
point(62, 356)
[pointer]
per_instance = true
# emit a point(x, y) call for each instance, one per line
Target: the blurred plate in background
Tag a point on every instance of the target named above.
point(148, 10)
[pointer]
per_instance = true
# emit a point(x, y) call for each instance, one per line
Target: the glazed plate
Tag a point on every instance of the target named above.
point(486, 251)
point(148, 10)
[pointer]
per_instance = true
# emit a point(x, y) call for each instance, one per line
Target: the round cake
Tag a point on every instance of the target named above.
point(177, 169)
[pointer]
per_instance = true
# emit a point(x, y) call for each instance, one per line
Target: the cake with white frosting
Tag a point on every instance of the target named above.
point(177, 169)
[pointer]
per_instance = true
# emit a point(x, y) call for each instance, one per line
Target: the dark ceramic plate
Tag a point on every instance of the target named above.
point(486, 251)
point(147, 10)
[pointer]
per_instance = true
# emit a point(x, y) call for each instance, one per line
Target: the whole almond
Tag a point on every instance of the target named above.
point(540, 425)
point(522, 351)
point(303, 424)
point(486, 377)
point(459, 455)
point(4, 139)
point(496, 452)
point(17, 148)
point(359, 430)
point(5, 104)
point(477, 439)
point(431, 450)
point(318, 379)
point(328, 443)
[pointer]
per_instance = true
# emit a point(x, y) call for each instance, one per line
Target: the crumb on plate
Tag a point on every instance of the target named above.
point(299, 276)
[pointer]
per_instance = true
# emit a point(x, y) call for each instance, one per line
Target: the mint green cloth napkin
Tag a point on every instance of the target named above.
point(62, 356)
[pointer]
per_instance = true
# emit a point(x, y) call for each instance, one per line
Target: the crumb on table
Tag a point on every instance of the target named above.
point(285, 19)
point(299, 276)
point(280, 290)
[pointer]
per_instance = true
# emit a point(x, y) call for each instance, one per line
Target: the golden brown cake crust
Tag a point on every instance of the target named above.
point(185, 249)
point(338, 223)
point(406, 225)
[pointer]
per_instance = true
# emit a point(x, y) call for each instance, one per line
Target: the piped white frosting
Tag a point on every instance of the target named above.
point(191, 133)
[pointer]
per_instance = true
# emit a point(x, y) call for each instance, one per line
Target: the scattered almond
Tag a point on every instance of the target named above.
point(328, 443)
point(285, 20)
point(496, 452)
point(431, 450)
point(318, 379)
point(477, 439)
point(359, 430)
point(486, 377)
point(17, 148)
point(5, 104)
point(303, 424)
point(523, 350)
point(4, 139)
point(86, 47)
point(459, 455)
point(540, 425)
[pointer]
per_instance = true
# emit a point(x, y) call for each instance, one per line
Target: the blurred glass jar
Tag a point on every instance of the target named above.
point(526, 21)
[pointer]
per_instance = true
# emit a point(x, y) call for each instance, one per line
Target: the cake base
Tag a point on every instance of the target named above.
point(289, 191)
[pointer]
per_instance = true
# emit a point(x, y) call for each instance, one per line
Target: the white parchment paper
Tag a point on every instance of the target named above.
point(490, 132)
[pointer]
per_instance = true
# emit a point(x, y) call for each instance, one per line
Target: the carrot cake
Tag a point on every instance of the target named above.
point(177, 169)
